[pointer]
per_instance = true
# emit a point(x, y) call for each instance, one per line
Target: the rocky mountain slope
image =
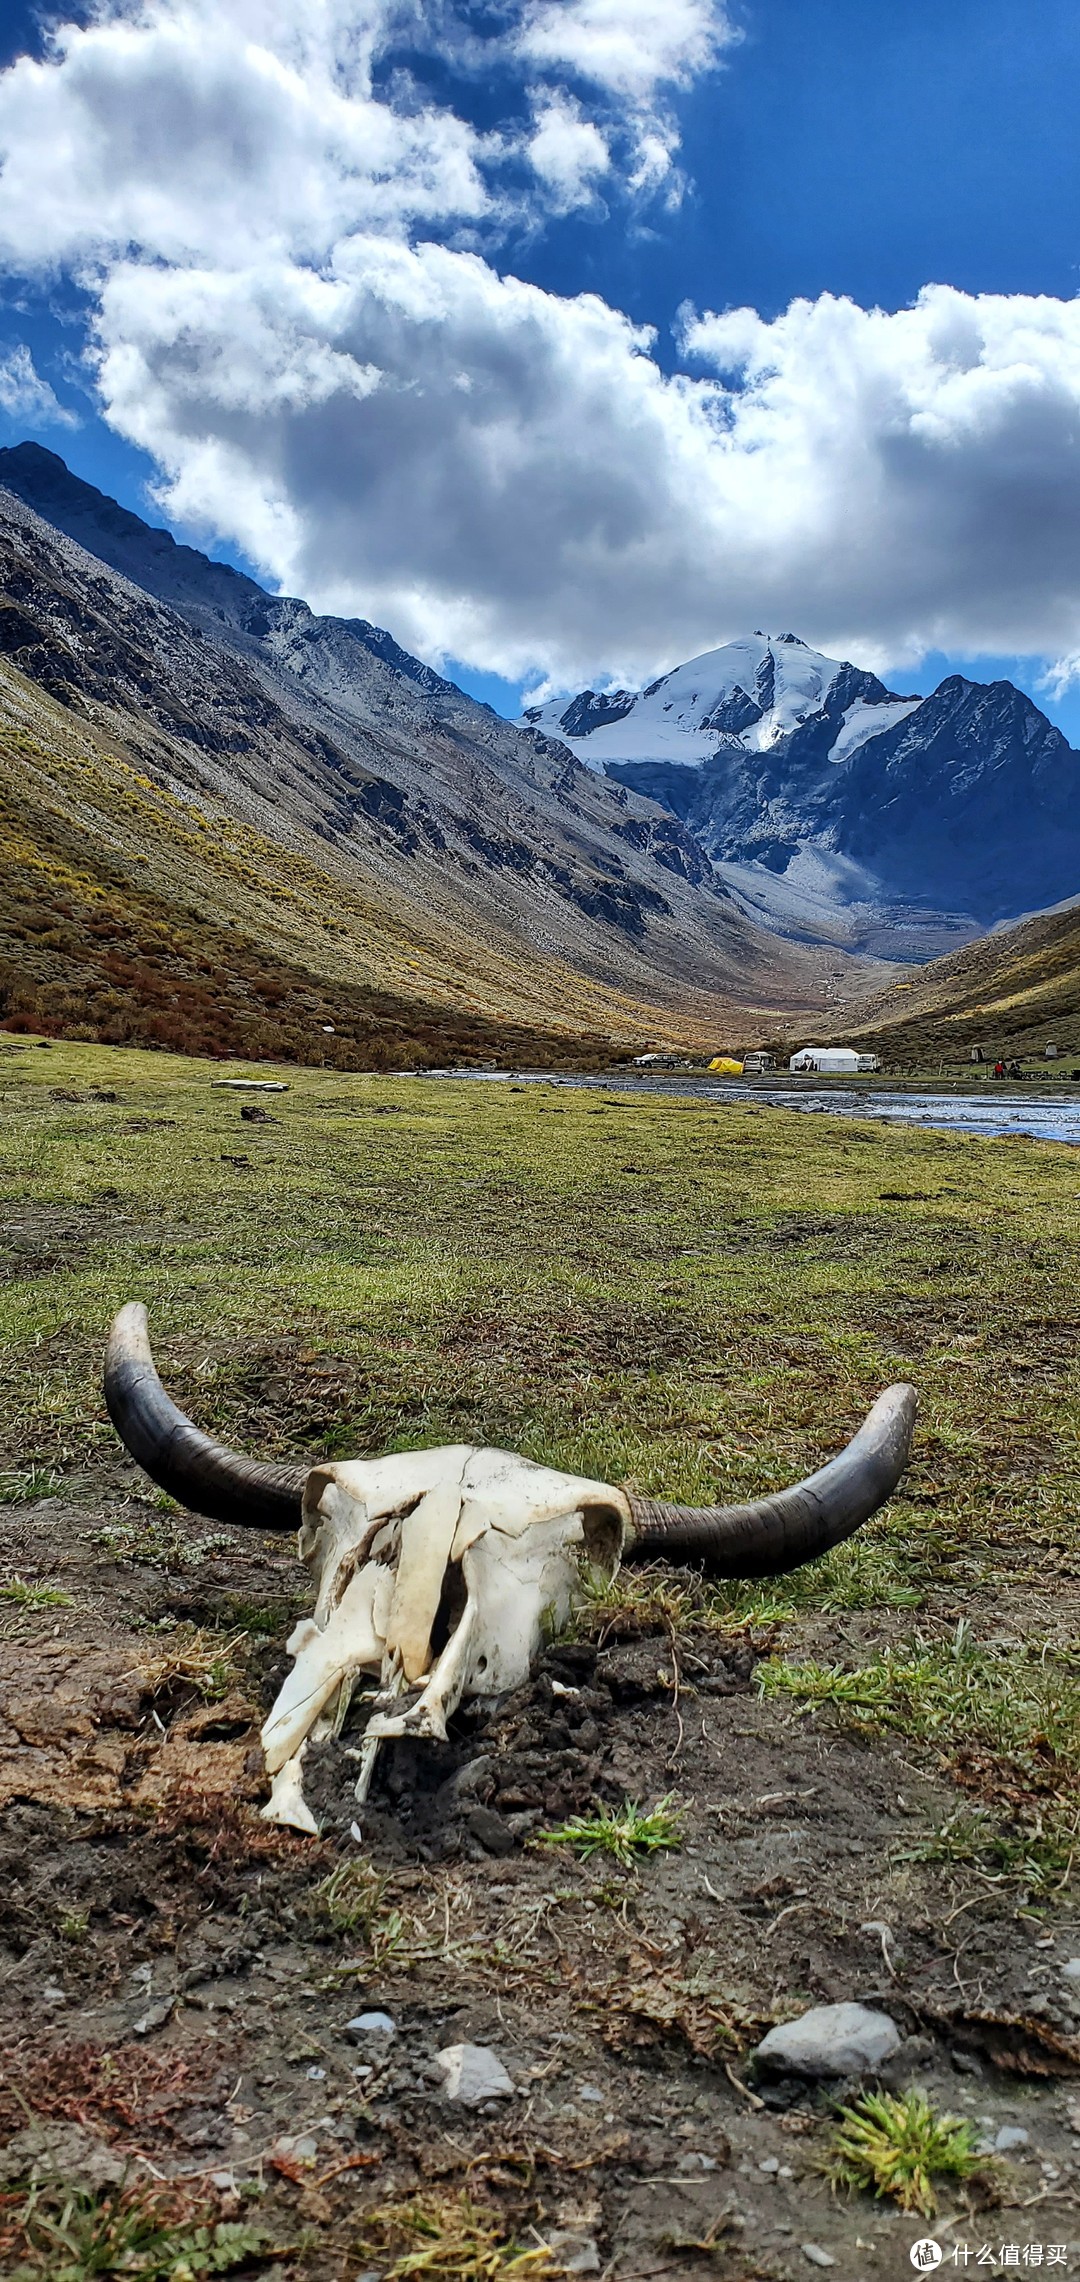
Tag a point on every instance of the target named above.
point(1013, 992)
point(833, 807)
point(221, 764)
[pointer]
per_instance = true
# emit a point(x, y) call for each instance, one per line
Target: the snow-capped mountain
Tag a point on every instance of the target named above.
point(835, 808)
point(749, 694)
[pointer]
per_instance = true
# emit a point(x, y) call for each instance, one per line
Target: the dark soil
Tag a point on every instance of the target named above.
point(174, 1982)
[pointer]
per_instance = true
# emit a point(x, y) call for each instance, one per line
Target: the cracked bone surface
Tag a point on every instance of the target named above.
point(438, 1575)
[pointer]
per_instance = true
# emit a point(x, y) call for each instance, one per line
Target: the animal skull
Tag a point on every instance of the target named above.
point(437, 1572)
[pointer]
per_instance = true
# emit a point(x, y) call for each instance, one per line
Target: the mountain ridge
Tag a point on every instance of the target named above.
point(444, 856)
point(818, 793)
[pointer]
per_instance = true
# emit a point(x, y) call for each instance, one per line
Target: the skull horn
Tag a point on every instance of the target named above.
point(796, 1525)
point(196, 1471)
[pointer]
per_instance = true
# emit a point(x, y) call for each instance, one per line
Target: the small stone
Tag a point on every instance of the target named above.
point(48, 2149)
point(574, 2253)
point(317, 2075)
point(589, 2092)
point(965, 2062)
point(1010, 2136)
point(53, 1994)
point(296, 2147)
point(154, 2017)
point(468, 1779)
point(817, 2257)
point(694, 2160)
point(370, 2024)
point(1071, 1971)
point(771, 2164)
point(473, 2073)
point(830, 2040)
point(490, 1831)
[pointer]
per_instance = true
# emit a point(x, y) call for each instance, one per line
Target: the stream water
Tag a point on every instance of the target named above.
point(994, 1110)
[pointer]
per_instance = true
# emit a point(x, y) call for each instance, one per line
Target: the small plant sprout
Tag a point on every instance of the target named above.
point(622, 1831)
point(898, 2147)
point(33, 1596)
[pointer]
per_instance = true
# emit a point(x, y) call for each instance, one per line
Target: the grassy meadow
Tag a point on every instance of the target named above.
point(703, 1299)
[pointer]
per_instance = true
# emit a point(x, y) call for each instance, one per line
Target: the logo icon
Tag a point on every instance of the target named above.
point(926, 2255)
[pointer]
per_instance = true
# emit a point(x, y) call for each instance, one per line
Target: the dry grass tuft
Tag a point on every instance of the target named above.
point(449, 2238)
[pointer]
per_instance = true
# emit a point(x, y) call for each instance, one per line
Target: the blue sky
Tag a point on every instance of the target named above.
point(819, 149)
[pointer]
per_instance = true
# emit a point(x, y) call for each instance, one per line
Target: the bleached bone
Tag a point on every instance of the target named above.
point(438, 1574)
point(438, 1571)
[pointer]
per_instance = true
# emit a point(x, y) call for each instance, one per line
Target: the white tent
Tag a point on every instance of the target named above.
point(832, 1059)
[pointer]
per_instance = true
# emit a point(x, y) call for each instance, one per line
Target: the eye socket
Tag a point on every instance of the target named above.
point(481, 1663)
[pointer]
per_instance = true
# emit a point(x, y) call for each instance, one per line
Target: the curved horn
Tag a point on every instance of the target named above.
point(199, 1473)
point(795, 1525)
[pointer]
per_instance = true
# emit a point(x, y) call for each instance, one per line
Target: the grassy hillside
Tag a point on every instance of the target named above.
point(1012, 993)
point(208, 853)
point(131, 915)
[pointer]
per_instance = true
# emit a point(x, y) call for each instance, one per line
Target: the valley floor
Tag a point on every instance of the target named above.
point(873, 1765)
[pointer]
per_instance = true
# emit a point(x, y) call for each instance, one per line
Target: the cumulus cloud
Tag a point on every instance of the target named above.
point(631, 47)
point(288, 314)
point(24, 395)
point(567, 151)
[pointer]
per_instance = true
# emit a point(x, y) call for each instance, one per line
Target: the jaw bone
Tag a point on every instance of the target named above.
point(439, 1573)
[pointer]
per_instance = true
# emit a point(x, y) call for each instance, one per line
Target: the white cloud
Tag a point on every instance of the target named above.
point(24, 395)
point(567, 151)
point(497, 473)
point(192, 131)
point(633, 51)
point(630, 47)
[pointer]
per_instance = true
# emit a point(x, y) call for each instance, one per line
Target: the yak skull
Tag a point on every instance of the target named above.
point(438, 1574)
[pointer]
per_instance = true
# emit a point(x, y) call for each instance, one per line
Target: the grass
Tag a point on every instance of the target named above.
point(898, 2147)
point(623, 1832)
point(33, 1596)
point(199, 1660)
point(1003, 1721)
point(353, 1899)
point(703, 1301)
point(449, 2238)
point(875, 1571)
point(64, 2233)
point(178, 1542)
point(21, 1489)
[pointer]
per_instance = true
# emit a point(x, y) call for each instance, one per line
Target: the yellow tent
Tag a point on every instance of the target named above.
point(726, 1066)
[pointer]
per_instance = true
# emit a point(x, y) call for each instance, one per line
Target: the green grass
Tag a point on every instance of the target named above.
point(898, 2148)
point(36, 1482)
point(65, 2233)
point(623, 1832)
point(33, 1596)
point(1004, 1721)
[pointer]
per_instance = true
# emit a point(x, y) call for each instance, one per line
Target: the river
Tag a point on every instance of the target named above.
point(994, 1110)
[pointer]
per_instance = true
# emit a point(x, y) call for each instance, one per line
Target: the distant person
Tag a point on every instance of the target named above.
point(999, 1069)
